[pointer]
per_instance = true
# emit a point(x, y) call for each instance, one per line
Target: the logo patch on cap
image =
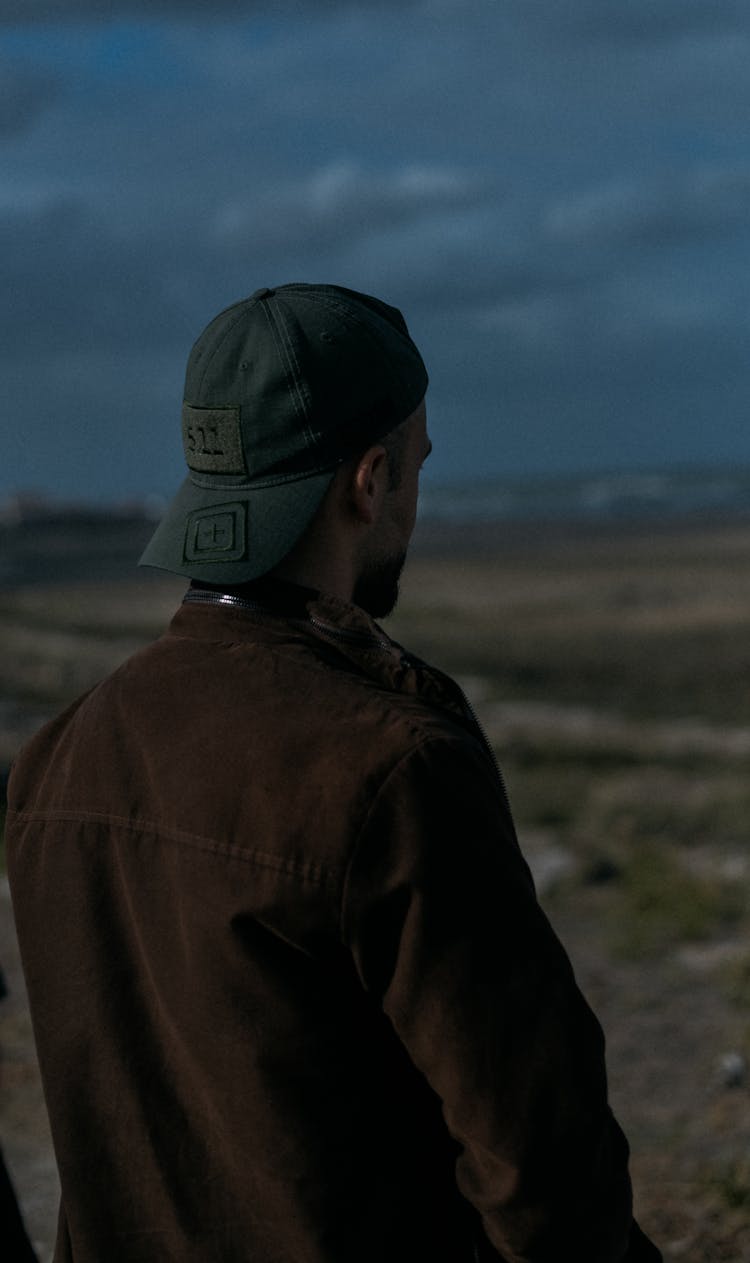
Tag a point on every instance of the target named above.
point(212, 440)
point(216, 534)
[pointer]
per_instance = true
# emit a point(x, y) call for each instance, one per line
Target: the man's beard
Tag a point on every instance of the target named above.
point(376, 588)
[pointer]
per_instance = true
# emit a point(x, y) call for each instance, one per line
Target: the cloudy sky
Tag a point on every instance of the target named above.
point(557, 194)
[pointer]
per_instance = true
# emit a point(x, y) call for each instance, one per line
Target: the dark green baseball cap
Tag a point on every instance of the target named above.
point(280, 389)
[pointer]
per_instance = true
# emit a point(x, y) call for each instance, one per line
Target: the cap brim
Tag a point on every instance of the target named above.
point(234, 534)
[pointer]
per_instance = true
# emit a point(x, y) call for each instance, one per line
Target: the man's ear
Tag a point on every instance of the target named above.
point(369, 483)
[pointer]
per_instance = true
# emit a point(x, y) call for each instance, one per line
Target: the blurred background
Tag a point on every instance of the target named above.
point(558, 198)
point(556, 195)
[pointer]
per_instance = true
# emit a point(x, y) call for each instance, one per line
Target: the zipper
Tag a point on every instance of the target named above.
point(199, 596)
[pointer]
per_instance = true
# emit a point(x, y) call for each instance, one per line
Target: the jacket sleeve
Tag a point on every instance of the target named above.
point(442, 920)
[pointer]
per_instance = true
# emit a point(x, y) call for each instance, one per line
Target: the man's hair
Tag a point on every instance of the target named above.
point(394, 443)
point(395, 446)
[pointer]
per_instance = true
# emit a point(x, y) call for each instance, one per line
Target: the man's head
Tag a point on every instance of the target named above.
point(283, 392)
point(356, 544)
point(383, 551)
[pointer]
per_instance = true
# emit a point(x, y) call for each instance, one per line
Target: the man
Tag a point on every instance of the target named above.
point(294, 998)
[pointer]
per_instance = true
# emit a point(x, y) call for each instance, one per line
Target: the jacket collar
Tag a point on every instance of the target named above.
point(273, 609)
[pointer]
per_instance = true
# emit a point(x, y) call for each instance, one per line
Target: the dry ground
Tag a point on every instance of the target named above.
point(612, 673)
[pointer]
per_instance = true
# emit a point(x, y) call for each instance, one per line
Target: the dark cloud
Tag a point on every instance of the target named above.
point(25, 95)
point(28, 12)
point(555, 195)
point(604, 21)
point(76, 277)
point(343, 201)
point(550, 310)
point(71, 281)
point(700, 202)
point(637, 21)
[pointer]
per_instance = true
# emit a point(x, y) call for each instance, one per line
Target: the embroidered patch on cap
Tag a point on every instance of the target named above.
point(216, 534)
point(212, 440)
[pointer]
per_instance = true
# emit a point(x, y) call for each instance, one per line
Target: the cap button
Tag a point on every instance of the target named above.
point(263, 293)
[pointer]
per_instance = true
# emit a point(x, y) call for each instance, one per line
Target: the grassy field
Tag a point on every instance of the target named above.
point(611, 671)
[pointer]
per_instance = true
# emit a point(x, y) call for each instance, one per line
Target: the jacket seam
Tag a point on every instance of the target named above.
point(310, 871)
point(315, 665)
point(430, 739)
point(314, 630)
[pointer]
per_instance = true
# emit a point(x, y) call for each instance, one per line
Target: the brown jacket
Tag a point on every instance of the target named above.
point(294, 998)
